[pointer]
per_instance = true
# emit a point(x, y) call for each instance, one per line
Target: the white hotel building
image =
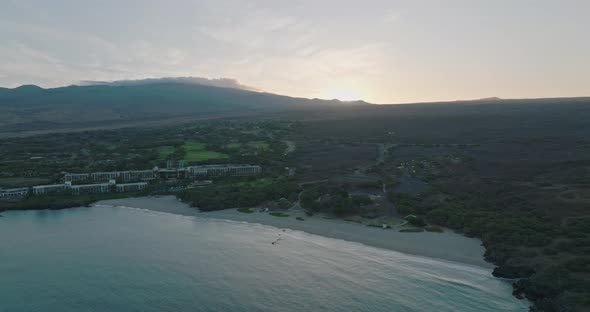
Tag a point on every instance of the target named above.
point(45, 189)
point(129, 187)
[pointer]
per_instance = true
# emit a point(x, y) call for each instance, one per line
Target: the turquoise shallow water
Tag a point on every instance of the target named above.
point(117, 259)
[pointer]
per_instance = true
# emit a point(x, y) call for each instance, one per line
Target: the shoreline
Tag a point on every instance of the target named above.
point(447, 246)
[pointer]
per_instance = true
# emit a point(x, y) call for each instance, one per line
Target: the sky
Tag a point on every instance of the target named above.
point(381, 51)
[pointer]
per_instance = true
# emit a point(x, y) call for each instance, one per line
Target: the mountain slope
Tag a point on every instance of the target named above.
point(31, 107)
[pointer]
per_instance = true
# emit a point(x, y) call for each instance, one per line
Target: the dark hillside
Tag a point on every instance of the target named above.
point(34, 108)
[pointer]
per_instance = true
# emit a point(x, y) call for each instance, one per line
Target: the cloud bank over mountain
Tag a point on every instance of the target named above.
point(214, 82)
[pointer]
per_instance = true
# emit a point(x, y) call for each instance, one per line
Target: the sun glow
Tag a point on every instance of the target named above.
point(345, 93)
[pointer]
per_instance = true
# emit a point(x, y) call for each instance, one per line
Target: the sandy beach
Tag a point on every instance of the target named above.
point(446, 246)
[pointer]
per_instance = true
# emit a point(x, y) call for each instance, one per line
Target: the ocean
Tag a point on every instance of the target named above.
point(125, 259)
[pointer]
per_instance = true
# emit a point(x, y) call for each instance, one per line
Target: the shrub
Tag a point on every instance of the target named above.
point(434, 228)
point(362, 200)
point(438, 216)
point(278, 214)
point(404, 210)
point(418, 230)
point(415, 221)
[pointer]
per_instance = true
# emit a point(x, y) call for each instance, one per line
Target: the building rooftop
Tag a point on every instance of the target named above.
point(49, 185)
point(224, 166)
point(135, 183)
point(83, 185)
point(18, 189)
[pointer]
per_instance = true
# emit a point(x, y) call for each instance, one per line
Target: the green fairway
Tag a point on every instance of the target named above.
point(259, 144)
point(196, 151)
point(165, 151)
point(233, 145)
point(194, 146)
point(204, 155)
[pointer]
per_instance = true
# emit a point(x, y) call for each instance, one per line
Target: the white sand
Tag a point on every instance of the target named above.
point(447, 246)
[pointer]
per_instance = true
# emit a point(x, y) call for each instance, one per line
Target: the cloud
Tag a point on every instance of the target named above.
point(216, 82)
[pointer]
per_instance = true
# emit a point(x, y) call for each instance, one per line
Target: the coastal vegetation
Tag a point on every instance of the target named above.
point(434, 228)
point(530, 242)
point(332, 199)
point(412, 230)
point(249, 193)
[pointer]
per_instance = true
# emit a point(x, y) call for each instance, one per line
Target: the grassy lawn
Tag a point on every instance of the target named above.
point(22, 181)
point(165, 151)
point(245, 210)
point(196, 151)
point(204, 155)
point(194, 146)
point(259, 144)
point(233, 145)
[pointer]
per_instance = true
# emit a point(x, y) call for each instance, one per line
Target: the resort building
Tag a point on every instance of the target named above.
point(232, 170)
point(90, 188)
point(45, 189)
point(104, 176)
point(197, 171)
point(129, 187)
point(164, 173)
point(178, 173)
point(14, 193)
point(124, 176)
point(77, 177)
point(224, 170)
point(138, 179)
point(173, 164)
point(137, 175)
